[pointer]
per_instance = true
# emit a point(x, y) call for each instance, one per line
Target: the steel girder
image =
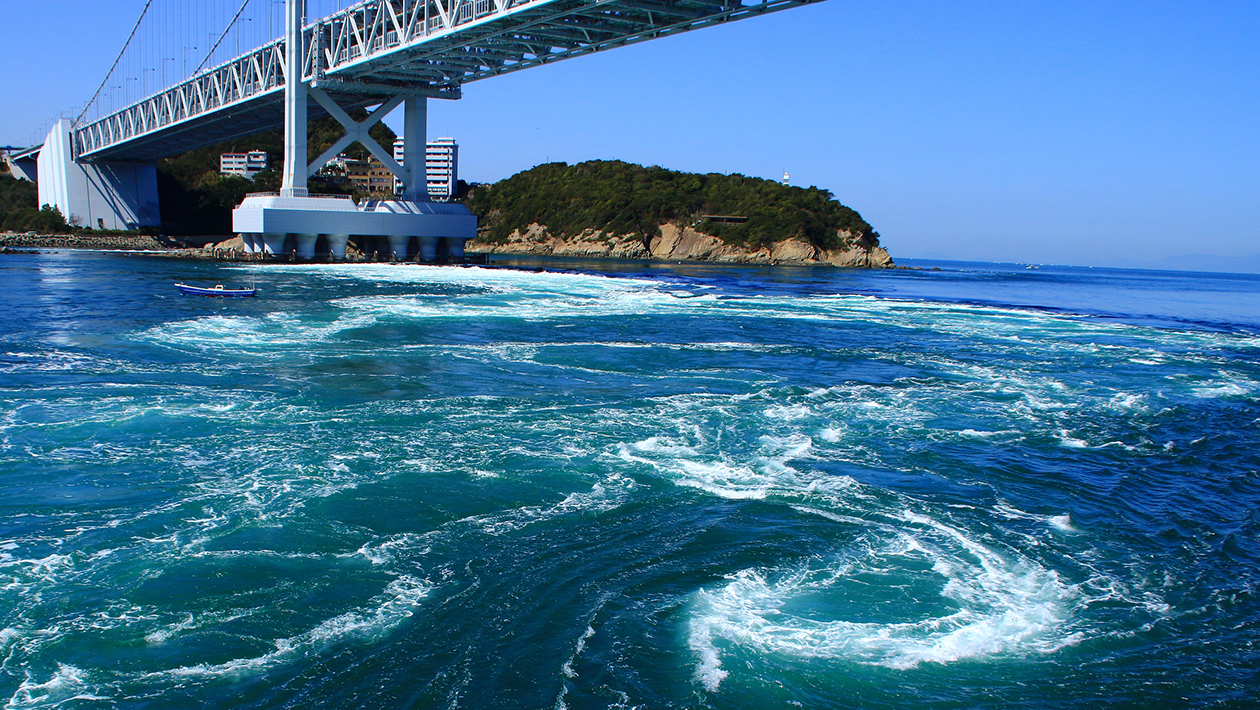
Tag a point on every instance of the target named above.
point(379, 48)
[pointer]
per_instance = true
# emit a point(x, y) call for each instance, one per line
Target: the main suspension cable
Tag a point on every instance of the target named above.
point(115, 64)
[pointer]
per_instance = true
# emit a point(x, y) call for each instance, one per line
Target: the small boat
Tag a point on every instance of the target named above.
point(216, 291)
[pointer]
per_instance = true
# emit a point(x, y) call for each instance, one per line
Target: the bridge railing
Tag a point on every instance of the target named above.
point(446, 43)
point(243, 78)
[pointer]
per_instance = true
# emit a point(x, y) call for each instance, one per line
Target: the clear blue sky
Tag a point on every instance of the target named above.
point(1093, 133)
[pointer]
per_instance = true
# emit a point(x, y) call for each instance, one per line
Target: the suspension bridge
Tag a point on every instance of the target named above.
point(375, 54)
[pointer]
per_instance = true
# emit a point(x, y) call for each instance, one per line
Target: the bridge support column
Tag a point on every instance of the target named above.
point(428, 248)
point(337, 245)
point(306, 245)
point(398, 245)
point(293, 211)
point(455, 246)
point(273, 243)
point(415, 141)
point(293, 180)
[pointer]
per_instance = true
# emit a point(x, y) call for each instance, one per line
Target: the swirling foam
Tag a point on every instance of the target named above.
point(991, 603)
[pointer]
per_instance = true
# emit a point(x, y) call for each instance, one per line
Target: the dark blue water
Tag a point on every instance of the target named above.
point(627, 485)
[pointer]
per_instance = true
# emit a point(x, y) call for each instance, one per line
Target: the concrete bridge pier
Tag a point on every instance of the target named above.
point(294, 211)
point(428, 248)
point(399, 246)
point(252, 242)
point(454, 247)
point(337, 245)
point(306, 245)
point(99, 195)
point(273, 243)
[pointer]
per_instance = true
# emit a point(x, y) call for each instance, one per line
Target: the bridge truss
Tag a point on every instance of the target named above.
point(384, 48)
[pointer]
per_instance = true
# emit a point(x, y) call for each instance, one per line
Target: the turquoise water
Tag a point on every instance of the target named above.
point(627, 485)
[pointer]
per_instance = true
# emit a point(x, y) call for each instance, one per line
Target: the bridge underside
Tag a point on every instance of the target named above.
point(523, 35)
point(381, 48)
point(257, 114)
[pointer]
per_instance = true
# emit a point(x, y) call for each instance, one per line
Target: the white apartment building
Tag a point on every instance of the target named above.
point(441, 167)
point(246, 165)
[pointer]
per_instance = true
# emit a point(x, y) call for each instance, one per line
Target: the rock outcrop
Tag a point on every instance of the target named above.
point(677, 243)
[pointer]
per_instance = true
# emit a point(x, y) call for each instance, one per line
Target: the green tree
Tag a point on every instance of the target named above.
point(16, 195)
point(45, 220)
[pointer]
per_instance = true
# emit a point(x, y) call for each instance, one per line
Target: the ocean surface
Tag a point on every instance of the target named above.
point(627, 485)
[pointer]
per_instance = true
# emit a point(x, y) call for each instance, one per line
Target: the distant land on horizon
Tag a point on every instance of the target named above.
point(1206, 263)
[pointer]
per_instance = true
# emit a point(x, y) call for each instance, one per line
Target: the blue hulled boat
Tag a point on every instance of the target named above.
point(216, 291)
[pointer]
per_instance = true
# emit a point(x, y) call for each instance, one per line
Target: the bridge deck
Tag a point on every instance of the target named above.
point(384, 47)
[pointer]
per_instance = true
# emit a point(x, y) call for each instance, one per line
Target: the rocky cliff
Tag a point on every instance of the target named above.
point(685, 244)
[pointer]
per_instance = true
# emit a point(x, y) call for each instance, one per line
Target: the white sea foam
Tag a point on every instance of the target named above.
point(1068, 441)
point(68, 684)
point(190, 622)
point(250, 335)
point(45, 570)
point(605, 495)
point(389, 609)
point(1228, 388)
point(992, 604)
point(580, 646)
point(1059, 522)
point(788, 412)
point(379, 553)
point(663, 445)
point(837, 517)
point(720, 478)
point(1129, 402)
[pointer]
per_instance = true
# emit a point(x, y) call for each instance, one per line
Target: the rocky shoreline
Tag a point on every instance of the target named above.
point(685, 244)
point(674, 244)
point(127, 242)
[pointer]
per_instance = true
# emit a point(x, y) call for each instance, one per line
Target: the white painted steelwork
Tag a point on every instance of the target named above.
point(294, 171)
point(388, 48)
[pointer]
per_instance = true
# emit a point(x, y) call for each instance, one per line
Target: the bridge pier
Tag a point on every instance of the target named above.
point(337, 245)
point(273, 243)
point(100, 195)
point(296, 212)
point(399, 245)
point(274, 217)
point(455, 247)
point(306, 245)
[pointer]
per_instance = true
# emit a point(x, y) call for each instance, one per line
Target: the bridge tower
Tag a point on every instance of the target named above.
point(293, 221)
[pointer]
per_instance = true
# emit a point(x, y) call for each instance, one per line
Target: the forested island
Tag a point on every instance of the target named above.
point(609, 208)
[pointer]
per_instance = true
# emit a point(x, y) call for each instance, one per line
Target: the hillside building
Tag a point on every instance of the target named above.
point(245, 165)
point(441, 167)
